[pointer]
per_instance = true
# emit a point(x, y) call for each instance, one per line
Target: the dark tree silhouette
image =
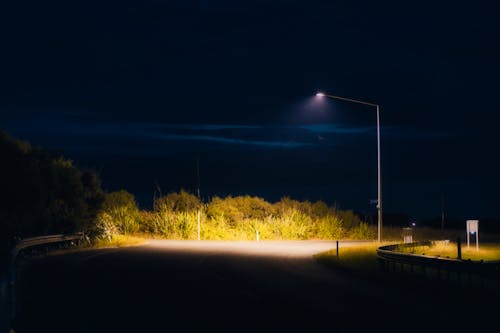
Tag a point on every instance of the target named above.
point(41, 193)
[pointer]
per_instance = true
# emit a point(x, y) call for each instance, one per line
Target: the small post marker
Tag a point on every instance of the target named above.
point(337, 249)
point(459, 249)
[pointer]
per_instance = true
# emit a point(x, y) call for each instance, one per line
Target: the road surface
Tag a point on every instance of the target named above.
point(190, 286)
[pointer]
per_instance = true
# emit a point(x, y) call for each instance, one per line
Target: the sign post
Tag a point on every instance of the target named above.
point(473, 228)
point(407, 235)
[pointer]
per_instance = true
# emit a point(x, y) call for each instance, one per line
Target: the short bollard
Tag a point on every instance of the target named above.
point(337, 249)
point(459, 249)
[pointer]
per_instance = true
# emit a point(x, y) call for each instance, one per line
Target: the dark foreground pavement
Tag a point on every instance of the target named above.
point(231, 287)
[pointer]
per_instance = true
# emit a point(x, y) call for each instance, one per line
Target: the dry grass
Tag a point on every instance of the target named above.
point(363, 258)
point(486, 252)
point(359, 259)
point(120, 241)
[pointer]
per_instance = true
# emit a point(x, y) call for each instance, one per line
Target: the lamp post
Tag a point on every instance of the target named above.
point(199, 197)
point(379, 199)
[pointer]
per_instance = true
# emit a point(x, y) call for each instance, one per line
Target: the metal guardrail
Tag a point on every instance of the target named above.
point(20, 246)
point(391, 254)
point(43, 240)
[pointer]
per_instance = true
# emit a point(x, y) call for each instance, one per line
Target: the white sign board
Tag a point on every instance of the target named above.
point(472, 226)
point(473, 229)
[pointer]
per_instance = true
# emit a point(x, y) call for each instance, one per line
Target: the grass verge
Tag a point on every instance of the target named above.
point(358, 260)
point(362, 261)
point(119, 241)
point(486, 252)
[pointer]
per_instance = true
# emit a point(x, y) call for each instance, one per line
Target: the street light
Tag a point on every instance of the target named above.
point(379, 200)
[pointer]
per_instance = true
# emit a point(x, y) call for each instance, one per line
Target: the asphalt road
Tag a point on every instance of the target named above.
point(189, 286)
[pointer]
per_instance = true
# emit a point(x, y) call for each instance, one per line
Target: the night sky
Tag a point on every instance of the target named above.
point(141, 90)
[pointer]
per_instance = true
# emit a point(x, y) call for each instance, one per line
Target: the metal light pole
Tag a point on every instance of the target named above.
point(379, 200)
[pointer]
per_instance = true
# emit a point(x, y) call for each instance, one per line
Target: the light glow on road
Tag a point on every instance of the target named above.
point(295, 249)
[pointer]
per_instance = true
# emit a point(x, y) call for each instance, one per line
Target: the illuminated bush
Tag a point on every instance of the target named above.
point(329, 227)
point(120, 209)
point(216, 229)
point(254, 207)
point(175, 216)
point(348, 218)
point(362, 231)
point(286, 204)
point(146, 221)
point(224, 208)
point(320, 209)
point(293, 224)
point(105, 226)
point(177, 202)
point(235, 209)
point(245, 217)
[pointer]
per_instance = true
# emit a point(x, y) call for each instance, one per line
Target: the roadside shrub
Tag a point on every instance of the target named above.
point(319, 209)
point(224, 208)
point(286, 204)
point(362, 231)
point(175, 216)
point(105, 226)
point(235, 209)
point(177, 202)
point(121, 209)
point(253, 207)
point(216, 228)
point(329, 227)
point(293, 224)
point(146, 221)
point(43, 193)
point(348, 218)
point(171, 223)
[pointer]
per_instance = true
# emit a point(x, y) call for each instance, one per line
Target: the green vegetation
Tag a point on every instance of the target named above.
point(119, 241)
point(357, 259)
point(361, 260)
point(486, 252)
point(43, 193)
point(175, 216)
point(119, 215)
